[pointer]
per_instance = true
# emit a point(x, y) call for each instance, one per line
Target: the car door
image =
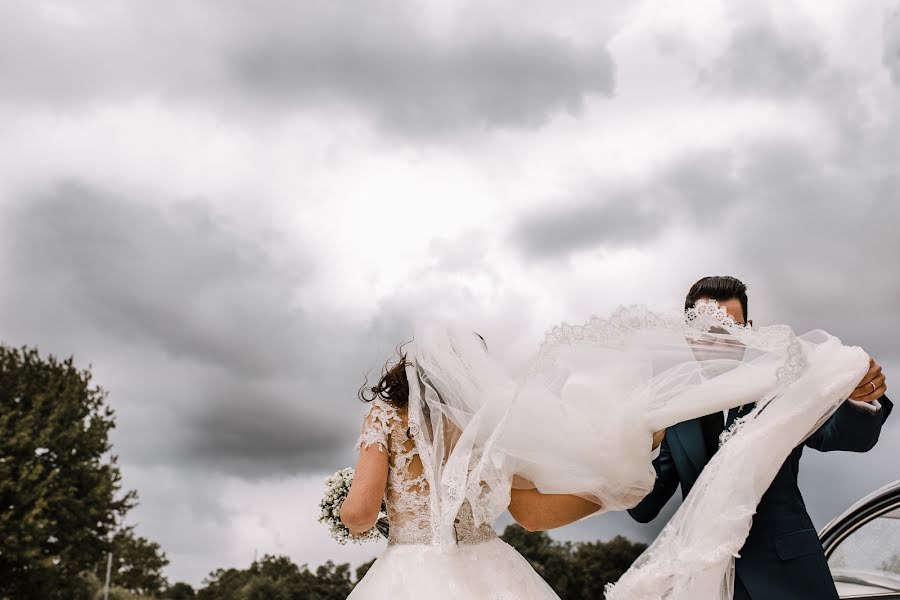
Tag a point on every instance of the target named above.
point(863, 550)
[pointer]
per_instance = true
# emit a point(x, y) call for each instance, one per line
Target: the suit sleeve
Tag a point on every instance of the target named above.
point(665, 485)
point(851, 429)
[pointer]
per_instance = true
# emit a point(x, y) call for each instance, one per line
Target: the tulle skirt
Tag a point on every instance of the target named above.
point(489, 570)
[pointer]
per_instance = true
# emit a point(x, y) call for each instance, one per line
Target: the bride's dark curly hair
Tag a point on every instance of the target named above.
point(393, 386)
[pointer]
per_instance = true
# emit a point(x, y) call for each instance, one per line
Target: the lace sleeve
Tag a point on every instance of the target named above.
point(377, 427)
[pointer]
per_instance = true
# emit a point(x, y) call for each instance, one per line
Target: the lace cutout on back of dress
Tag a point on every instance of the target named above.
point(407, 494)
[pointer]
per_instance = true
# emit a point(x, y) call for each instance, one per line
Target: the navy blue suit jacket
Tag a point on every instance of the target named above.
point(782, 557)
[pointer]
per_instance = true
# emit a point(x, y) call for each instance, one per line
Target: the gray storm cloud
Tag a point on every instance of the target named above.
point(188, 300)
point(814, 232)
point(699, 189)
point(891, 55)
point(816, 223)
point(279, 57)
point(764, 60)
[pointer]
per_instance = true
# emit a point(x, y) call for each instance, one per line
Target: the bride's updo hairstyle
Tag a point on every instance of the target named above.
point(393, 386)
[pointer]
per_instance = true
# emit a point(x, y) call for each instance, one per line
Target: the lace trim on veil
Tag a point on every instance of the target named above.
point(705, 316)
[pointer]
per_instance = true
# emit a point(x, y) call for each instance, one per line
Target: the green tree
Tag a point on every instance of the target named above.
point(362, 569)
point(264, 588)
point(224, 584)
point(330, 582)
point(91, 586)
point(120, 593)
point(179, 591)
point(60, 489)
point(574, 571)
point(600, 563)
point(552, 560)
point(892, 565)
point(137, 563)
point(277, 578)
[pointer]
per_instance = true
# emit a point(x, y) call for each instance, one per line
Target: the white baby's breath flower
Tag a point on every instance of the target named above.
point(337, 486)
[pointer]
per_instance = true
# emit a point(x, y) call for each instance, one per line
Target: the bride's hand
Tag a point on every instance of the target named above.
point(658, 438)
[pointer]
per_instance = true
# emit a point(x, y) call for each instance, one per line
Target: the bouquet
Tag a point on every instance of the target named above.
point(337, 487)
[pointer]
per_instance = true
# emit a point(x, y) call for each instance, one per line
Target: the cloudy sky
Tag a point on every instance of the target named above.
point(233, 210)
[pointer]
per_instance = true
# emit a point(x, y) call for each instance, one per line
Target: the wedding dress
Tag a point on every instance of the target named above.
point(580, 421)
point(414, 566)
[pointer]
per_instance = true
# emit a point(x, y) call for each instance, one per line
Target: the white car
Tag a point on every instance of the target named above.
point(863, 546)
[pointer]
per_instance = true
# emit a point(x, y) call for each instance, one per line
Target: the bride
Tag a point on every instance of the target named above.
point(451, 440)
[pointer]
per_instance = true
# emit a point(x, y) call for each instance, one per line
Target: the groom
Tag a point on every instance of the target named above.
point(782, 557)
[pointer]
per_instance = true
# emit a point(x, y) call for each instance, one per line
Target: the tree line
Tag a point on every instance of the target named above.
point(63, 510)
point(576, 571)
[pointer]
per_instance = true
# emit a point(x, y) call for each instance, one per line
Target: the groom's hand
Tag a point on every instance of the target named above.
point(658, 438)
point(871, 387)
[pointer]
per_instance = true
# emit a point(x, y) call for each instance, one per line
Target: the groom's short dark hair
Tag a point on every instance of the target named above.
point(718, 288)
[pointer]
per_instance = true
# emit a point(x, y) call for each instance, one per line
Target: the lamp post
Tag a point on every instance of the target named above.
point(108, 572)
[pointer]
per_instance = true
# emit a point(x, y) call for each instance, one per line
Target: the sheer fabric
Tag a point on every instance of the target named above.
point(414, 565)
point(581, 422)
point(693, 557)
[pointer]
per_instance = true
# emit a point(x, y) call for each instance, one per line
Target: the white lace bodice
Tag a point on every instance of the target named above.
point(407, 495)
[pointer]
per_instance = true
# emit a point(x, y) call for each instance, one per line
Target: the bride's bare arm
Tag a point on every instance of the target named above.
point(538, 512)
point(360, 510)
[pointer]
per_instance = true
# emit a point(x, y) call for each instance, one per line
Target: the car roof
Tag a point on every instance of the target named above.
point(879, 497)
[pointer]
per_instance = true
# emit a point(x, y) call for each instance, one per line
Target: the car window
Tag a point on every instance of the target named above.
point(871, 553)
